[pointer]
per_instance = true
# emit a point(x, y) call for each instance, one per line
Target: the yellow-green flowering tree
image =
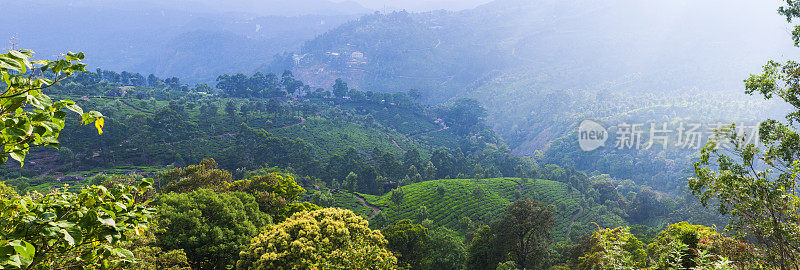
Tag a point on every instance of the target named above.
point(329, 238)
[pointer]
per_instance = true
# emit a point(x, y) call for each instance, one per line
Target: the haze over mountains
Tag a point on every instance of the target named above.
point(196, 42)
point(517, 57)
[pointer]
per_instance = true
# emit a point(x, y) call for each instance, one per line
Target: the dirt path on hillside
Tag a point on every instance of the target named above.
point(302, 120)
point(395, 143)
point(133, 107)
point(428, 131)
point(375, 209)
point(572, 219)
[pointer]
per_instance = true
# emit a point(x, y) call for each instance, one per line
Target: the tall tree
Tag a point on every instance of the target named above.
point(340, 88)
point(407, 240)
point(524, 227)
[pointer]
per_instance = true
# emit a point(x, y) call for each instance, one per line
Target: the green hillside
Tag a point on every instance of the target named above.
point(461, 200)
point(329, 137)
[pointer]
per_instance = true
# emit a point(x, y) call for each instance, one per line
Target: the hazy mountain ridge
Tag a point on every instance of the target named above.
point(505, 50)
point(155, 38)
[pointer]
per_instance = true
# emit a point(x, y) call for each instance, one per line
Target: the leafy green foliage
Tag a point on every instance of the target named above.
point(275, 193)
point(681, 245)
point(408, 242)
point(193, 177)
point(525, 229)
point(326, 239)
point(757, 185)
point(151, 257)
point(445, 250)
point(65, 230)
point(7, 192)
point(29, 117)
point(210, 227)
point(613, 249)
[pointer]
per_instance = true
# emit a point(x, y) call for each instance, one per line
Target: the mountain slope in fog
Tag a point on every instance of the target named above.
point(521, 58)
point(154, 38)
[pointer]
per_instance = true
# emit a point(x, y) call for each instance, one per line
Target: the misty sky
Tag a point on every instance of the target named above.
point(419, 5)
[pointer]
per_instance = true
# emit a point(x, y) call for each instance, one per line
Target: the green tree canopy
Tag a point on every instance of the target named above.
point(407, 240)
point(210, 227)
point(524, 227)
point(329, 238)
point(613, 249)
point(276, 194)
point(193, 177)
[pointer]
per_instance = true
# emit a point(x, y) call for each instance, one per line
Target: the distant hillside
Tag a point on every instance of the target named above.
point(516, 56)
point(161, 38)
point(541, 67)
point(564, 45)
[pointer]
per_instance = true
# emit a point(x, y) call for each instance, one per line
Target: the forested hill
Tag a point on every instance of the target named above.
point(541, 67)
point(269, 120)
point(596, 59)
point(385, 157)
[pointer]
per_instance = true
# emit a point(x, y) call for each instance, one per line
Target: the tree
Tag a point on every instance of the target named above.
point(464, 115)
point(193, 177)
point(234, 85)
point(63, 229)
point(613, 249)
point(413, 174)
point(519, 171)
point(151, 257)
point(340, 88)
point(202, 87)
point(680, 246)
point(351, 182)
point(31, 117)
point(210, 227)
point(154, 82)
point(276, 194)
point(397, 196)
point(7, 192)
point(407, 241)
point(445, 250)
point(485, 250)
point(757, 185)
point(645, 205)
point(429, 171)
point(411, 157)
point(322, 198)
point(329, 238)
point(289, 83)
point(231, 108)
point(525, 226)
point(414, 94)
